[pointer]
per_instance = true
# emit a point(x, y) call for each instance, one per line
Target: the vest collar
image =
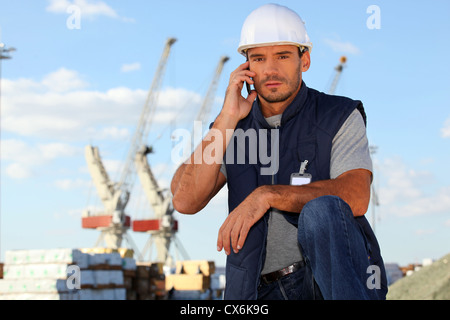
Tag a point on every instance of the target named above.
point(290, 111)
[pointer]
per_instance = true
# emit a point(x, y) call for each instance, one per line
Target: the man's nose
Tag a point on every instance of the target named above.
point(270, 68)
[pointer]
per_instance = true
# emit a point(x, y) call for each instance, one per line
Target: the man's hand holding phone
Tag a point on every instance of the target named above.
point(236, 106)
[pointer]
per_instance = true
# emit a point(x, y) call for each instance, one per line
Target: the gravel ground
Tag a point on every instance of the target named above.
point(429, 283)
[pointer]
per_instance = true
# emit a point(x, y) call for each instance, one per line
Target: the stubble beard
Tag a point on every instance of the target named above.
point(275, 95)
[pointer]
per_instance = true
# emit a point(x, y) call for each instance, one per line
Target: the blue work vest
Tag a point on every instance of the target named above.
point(308, 126)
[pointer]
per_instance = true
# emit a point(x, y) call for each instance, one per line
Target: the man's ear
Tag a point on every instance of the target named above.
point(305, 61)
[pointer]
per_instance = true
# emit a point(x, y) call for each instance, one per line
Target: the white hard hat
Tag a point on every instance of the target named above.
point(271, 25)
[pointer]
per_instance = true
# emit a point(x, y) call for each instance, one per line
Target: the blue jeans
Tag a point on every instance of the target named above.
point(299, 285)
point(336, 248)
point(336, 253)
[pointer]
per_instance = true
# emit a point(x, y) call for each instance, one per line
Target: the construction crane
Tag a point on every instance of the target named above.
point(338, 70)
point(208, 100)
point(113, 222)
point(162, 229)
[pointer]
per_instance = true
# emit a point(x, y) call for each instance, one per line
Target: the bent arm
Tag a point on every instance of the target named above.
point(193, 187)
point(351, 177)
point(352, 186)
point(199, 179)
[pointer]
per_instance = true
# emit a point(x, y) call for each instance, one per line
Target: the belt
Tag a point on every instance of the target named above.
point(276, 275)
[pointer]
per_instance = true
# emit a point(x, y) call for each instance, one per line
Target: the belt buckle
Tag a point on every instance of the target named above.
point(264, 280)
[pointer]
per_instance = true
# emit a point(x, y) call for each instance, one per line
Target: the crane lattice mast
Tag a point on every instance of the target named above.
point(338, 69)
point(208, 100)
point(162, 229)
point(126, 180)
point(113, 222)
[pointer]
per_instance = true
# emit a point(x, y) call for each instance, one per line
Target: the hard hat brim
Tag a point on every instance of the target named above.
point(242, 49)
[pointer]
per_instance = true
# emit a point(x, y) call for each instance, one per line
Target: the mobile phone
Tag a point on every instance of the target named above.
point(247, 85)
point(249, 88)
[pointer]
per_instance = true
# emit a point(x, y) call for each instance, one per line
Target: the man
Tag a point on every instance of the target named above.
point(284, 239)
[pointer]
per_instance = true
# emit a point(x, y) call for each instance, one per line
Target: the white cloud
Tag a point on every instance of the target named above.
point(87, 8)
point(60, 107)
point(406, 192)
point(63, 80)
point(113, 133)
point(342, 47)
point(60, 110)
point(22, 158)
point(445, 131)
point(113, 167)
point(18, 171)
point(130, 67)
point(21, 152)
point(52, 151)
point(68, 184)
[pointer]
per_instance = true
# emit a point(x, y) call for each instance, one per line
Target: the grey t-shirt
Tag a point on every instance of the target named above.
point(350, 150)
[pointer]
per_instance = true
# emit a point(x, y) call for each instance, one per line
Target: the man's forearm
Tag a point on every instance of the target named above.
point(353, 187)
point(192, 186)
point(196, 179)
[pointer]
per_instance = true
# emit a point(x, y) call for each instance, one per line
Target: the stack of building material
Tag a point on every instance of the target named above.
point(103, 279)
point(64, 274)
point(218, 283)
point(40, 274)
point(148, 282)
point(191, 275)
point(129, 273)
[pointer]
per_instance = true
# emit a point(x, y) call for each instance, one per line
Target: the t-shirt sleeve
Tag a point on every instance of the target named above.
point(223, 169)
point(350, 147)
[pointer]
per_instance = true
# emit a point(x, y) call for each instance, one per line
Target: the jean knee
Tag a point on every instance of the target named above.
point(319, 214)
point(320, 208)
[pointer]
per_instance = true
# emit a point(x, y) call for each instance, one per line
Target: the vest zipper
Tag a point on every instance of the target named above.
point(276, 158)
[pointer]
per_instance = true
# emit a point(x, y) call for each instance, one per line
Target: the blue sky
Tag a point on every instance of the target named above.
point(69, 87)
